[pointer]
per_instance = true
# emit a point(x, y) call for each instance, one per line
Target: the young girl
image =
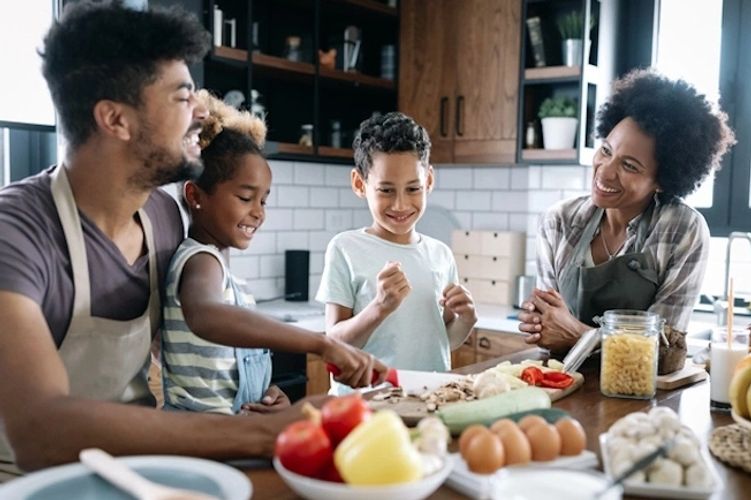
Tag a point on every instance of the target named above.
point(215, 351)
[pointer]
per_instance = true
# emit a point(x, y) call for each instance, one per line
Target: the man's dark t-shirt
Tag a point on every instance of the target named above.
point(34, 257)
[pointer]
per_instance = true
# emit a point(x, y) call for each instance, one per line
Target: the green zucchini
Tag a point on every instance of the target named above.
point(486, 411)
point(551, 415)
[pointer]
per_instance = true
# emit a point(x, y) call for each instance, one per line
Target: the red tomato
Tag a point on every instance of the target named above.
point(304, 448)
point(532, 375)
point(340, 415)
point(556, 380)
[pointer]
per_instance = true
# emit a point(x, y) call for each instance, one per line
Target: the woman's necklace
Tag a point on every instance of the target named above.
point(605, 246)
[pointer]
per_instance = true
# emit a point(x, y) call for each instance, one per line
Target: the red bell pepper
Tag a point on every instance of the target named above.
point(556, 380)
point(532, 375)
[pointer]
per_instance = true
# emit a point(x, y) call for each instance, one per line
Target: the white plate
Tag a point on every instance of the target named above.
point(77, 481)
point(315, 489)
point(483, 485)
point(660, 490)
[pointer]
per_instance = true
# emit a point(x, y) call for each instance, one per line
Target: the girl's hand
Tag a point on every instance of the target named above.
point(392, 287)
point(356, 367)
point(274, 400)
point(458, 301)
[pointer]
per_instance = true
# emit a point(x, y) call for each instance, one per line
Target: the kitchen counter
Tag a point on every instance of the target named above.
point(596, 414)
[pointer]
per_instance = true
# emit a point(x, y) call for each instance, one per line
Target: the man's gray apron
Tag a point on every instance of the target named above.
point(105, 359)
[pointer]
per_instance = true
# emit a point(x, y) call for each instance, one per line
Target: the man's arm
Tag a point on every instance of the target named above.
point(46, 425)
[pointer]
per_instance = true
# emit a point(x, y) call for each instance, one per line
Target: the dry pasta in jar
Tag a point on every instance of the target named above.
point(629, 354)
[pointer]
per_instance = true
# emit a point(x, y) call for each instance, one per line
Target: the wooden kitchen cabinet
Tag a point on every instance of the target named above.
point(491, 344)
point(318, 377)
point(459, 76)
point(466, 354)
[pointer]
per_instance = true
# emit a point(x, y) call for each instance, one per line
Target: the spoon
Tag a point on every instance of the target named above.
point(131, 482)
point(640, 464)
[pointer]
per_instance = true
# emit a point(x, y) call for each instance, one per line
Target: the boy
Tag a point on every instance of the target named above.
point(388, 289)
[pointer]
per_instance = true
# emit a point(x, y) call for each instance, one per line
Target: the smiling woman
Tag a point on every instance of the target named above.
point(632, 243)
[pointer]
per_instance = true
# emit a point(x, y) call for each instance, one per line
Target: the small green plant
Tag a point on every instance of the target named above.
point(557, 107)
point(570, 25)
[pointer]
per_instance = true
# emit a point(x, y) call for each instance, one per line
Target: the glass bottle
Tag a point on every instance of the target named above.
point(530, 136)
point(630, 344)
point(336, 134)
point(292, 48)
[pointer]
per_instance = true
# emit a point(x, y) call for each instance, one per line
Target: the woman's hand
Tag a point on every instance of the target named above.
point(558, 328)
point(274, 400)
point(531, 320)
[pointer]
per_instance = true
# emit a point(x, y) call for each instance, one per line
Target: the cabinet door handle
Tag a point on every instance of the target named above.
point(484, 342)
point(444, 108)
point(459, 111)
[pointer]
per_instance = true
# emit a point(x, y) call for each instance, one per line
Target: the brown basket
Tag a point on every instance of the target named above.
point(732, 444)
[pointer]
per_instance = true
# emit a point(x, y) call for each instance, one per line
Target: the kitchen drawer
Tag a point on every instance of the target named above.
point(487, 267)
point(463, 356)
point(493, 344)
point(490, 291)
point(489, 243)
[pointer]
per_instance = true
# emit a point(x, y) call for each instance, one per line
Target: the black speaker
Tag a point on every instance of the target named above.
point(296, 273)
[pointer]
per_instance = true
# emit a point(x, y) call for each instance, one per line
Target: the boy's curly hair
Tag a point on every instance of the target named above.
point(390, 133)
point(227, 134)
point(690, 135)
point(105, 50)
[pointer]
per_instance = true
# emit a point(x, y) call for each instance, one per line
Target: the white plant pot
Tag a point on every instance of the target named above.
point(572, 52)
point(558, 132)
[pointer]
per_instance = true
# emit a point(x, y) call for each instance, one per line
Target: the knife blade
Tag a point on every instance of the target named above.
point(392, 376)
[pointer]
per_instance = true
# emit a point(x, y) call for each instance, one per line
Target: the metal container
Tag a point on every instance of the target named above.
point(524, 286)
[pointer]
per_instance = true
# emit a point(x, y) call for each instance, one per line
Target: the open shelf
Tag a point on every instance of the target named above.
point(552, 73)
point(549, 154)
point(336, 152)
point(287, 148)
point(370, 5)
point(357, 78)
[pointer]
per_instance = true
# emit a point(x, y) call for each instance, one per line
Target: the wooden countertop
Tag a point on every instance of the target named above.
point(596, 413)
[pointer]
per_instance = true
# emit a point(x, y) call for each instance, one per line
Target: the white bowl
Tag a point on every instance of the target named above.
point(316, 489)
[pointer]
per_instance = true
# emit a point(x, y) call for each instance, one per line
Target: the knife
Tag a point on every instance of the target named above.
point(392, 376)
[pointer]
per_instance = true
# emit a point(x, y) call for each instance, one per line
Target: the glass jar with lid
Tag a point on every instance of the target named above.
point(630, 344)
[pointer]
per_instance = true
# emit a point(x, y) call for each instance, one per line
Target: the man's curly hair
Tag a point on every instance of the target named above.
point(105, 50)
point(690, 135)
point(390, 133)
point(226, 135)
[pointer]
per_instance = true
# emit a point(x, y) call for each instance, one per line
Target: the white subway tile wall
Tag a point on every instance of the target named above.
point(310, 203)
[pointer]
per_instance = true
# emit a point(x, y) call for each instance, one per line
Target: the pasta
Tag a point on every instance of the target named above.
point(629, 364)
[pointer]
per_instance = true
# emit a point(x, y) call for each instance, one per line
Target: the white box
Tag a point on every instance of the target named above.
point(490, 291)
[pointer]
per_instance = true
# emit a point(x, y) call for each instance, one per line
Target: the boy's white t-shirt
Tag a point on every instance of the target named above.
point(413, 336)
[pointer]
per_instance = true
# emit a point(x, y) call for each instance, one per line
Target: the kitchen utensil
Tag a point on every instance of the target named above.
point(640, 464)
point(392, 376)
point(128, 480)
point(581, 350)
point(524, 287)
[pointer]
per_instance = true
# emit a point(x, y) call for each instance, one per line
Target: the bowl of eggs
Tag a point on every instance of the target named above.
point(539, 439)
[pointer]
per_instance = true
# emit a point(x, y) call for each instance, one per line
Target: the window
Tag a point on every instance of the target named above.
point(702, 42)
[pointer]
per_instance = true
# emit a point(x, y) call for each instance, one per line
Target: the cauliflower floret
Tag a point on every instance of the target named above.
point(666, 472)
point(684, 451)
point(698, 476)
point(489, 383)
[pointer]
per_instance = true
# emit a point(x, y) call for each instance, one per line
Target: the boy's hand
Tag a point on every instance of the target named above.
point(356, 367)
point(392, 287)
point(274, 400)
point(458, 301)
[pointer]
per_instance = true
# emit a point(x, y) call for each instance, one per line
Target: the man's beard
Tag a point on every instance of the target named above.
point(160, 167)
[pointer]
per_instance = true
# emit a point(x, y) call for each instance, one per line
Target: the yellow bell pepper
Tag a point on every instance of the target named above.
point(378, 451)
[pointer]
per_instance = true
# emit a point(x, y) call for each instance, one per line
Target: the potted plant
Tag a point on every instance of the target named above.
point(558, 116)
point(571, 28)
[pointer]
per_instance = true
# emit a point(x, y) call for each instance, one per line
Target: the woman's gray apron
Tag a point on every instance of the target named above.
point(625, 282)
point(105, 359)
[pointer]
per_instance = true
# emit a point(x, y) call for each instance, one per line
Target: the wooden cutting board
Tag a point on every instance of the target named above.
point(689, 374)
point(411, 409)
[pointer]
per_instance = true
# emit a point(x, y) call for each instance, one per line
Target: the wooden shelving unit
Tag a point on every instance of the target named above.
point(552, 73)
point(300, 93)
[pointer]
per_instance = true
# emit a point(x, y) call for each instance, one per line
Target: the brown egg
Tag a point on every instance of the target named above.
point(573, 438)
point(531, 420)
point(500, 427)
point(467, 434)
point(484, 453)
point(516, 445)
point(545, 442)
